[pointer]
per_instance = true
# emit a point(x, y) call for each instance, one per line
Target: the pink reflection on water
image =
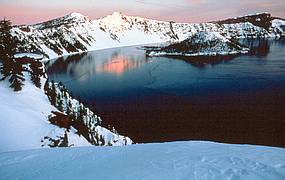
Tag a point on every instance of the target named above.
point(118, 65)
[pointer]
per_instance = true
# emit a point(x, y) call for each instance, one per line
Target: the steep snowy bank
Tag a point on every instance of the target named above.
point(24, 121)
point(177, 160)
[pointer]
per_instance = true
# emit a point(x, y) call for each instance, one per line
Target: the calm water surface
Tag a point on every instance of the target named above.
point(230, 99)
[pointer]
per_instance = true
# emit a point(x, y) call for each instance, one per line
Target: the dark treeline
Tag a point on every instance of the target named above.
point(74, 114)
point(13, 68)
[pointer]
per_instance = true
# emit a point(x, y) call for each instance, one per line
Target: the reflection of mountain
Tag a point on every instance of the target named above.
point(203, 61)
point(61, 64)
point(86, 65)
point(118, 64)
point(258, 47)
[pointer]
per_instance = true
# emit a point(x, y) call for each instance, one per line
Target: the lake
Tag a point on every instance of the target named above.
point(237, 99)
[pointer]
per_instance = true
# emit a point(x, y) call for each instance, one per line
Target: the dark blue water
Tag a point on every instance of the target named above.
point(237, 99)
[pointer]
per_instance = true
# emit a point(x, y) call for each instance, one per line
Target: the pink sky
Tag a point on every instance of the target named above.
point(33, 11)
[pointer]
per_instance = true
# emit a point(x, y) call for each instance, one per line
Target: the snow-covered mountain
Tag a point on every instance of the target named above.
point(200, 44)
point(165, 161)
point(75, 33)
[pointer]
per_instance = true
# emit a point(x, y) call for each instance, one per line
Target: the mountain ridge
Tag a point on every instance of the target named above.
point(75, 33)
point(78, 14)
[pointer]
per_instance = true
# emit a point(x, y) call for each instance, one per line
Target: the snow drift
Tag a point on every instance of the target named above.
point(166, 161)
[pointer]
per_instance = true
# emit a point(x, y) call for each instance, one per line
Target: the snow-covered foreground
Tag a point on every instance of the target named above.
point(176, 160)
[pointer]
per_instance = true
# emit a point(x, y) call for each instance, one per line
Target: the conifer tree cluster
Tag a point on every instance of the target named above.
point(7, 41)
point(36, 70)
point(12, 68)
point(82, 118)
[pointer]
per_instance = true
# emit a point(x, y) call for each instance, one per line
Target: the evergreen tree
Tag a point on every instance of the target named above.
point(60, 104)
point(97, 139)
point(95, 120)
point(68, 108)
point(53, 94)
point(6, 67)
point(14, 70)
point(102, 140)
point(36, 73)
point(64, 140)
point(17, 78)
point(10, 67)
point(72, 115)
point(65, 93)
point(7, 41)
point(46, 88)
point(125, 141)
point(81, 113)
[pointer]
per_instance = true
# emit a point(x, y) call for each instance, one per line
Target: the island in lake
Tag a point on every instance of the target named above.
point(200, 44)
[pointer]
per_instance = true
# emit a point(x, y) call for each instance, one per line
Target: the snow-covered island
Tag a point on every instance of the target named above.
point(200, 44)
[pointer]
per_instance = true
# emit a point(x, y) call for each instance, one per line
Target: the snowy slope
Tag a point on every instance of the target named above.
point(166, 161)
point(83, 119)
point(200, 44)
point(24, 121)
point(75, 33)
